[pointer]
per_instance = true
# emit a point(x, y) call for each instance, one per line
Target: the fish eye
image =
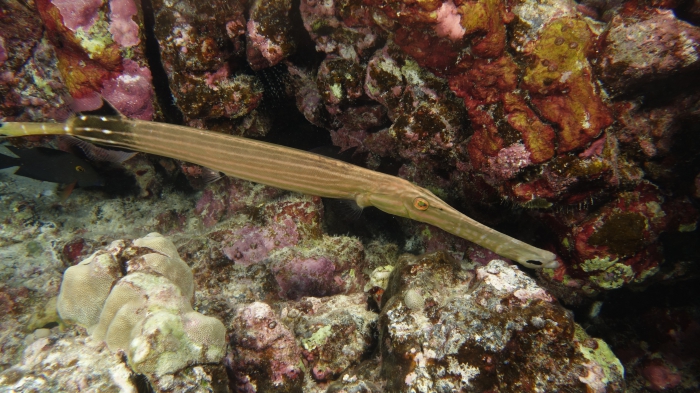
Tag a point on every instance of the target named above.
point(421, 203)
point(79, 169)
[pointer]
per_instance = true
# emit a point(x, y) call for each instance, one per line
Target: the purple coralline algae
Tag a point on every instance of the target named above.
point(288, 236)
point(265, 355)
point(100, 53)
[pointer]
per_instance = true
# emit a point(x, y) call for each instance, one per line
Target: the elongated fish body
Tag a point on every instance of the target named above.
point(288, 169)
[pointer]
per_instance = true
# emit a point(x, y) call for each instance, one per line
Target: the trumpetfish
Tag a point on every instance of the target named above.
point(288, 169)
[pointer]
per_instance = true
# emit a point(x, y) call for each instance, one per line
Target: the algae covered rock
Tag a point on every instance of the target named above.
point(264, 355)
point(492, 329)
point(147, 313)
point(336, 332)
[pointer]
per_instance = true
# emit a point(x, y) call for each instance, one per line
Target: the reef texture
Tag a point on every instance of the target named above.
point(572, 126)
point(199, 42)
point(492, 329)
point(311, 337)
point(147, 313)
point(547, 117)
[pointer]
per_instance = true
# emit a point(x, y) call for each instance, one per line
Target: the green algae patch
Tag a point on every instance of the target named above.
point(96, 39)
point(614, 277)
point(600, 353)
point(33, 248)
point(560, 80)
point(596, 264)
point(622, 233)
point(317, 339)
point(484, 19)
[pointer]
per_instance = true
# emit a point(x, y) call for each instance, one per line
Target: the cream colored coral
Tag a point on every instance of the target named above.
point(413, 299)
point(172, 268)
point(85, 288)
point(148, 313)
point(156, 242)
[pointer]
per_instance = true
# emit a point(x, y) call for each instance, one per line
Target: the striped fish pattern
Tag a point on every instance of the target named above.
point(288, 169)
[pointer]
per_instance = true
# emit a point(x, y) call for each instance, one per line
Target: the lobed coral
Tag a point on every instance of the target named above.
point(147, 313)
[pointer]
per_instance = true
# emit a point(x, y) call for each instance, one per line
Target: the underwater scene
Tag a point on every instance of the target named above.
point(358, 196)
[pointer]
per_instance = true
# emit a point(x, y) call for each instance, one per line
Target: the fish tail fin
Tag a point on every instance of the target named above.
point(8, 161)
point(27, 128)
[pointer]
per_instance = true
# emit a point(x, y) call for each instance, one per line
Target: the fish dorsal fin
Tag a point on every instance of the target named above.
point(96, 153)
point(107, 110)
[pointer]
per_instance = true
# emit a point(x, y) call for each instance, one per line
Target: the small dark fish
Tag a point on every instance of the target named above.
point(56, 166)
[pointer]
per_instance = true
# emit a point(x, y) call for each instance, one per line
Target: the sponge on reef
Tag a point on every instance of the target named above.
point(147, 313)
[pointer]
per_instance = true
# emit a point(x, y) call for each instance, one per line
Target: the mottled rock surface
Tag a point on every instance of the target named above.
point(444, 328)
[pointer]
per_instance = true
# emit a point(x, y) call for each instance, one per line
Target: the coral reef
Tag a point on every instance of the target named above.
point(147, 313)
point(336, 332)
point(199, 42)
point(570, 125)
point(443, 328)
point(100, 53)
point(645, 45)
point(265, 356)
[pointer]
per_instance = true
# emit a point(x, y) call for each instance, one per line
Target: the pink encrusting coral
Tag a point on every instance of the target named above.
point(508, 162)
point(131, 92)
point(252, 244)
point(80, 13)
point(123, 28)
point(449, 21)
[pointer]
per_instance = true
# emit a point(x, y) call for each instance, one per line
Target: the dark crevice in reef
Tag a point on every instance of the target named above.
point(161, 85)
point(305, 56)
point(290, 128)
point(141, 383)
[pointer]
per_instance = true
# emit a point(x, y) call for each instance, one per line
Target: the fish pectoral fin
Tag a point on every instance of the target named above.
point(210, 175)
point(348, 209)
point(352, 208)
point(64, 190)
